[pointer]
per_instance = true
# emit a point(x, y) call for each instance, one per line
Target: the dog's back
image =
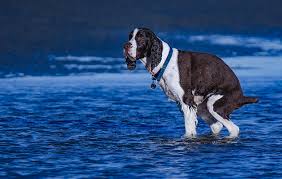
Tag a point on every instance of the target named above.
point(210, 75)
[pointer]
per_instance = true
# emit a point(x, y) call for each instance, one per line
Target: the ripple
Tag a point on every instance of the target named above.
point(86, 130)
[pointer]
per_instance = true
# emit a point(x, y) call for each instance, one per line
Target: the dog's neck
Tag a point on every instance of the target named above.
point(155, 61)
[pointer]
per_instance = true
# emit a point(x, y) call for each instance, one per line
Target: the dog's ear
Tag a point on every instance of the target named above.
point(154, 52)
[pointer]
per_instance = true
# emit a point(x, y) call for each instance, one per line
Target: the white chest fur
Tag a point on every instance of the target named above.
point(170, 82)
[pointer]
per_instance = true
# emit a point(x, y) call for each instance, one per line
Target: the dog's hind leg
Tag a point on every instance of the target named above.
point(190, 120)
point(219, 107)
point(204, 113)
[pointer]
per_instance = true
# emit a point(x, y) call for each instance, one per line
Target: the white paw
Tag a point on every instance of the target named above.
point(190, 135)
point(234, 132)
point(216, 127)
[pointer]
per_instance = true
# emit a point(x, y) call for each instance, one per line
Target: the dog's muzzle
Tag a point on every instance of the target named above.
point(131, 65)
point(130, 61)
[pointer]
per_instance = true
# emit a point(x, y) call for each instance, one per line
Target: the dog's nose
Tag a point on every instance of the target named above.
point(127, 45)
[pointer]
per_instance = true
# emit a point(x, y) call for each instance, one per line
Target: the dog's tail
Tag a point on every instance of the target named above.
point(247, 100)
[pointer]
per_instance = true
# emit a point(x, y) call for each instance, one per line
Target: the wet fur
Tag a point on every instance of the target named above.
point(207, 75)
point(199, 82)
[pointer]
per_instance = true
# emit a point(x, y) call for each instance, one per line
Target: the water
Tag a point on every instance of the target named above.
point(73, 116)
point(113, 125)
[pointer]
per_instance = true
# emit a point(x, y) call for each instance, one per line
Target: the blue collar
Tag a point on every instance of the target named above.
point(160, 73)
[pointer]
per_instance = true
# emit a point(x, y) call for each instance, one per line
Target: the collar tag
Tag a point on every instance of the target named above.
point(153, 84)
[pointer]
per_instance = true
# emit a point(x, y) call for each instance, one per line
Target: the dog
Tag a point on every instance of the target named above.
point(200, 83)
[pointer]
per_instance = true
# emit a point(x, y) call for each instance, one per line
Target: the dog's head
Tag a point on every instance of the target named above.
point(139, 46)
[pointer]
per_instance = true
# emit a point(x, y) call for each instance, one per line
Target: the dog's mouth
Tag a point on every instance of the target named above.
point(130, 61)
point(131, 65)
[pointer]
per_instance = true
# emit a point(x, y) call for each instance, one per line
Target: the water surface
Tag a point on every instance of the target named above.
point(113, 125)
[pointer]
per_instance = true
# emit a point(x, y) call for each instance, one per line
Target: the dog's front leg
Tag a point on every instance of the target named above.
point(187, 103)
point(190, 120)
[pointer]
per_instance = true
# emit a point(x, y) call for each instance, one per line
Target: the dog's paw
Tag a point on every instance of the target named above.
point(216, 128)
point(190, 136)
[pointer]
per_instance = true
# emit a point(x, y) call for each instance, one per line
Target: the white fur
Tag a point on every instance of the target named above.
point(216, 127)
point(231, 127)
point(132, 51)
point(197, 99)
point(190, 120)
point(170, 83)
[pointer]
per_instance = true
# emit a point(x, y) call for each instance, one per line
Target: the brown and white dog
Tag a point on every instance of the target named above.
point(202, 84)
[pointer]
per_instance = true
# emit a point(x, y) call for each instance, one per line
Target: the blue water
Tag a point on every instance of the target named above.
point(75, 116)
point(113, 125)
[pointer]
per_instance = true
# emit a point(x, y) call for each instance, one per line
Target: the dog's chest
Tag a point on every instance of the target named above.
point(170, 82)
point(168, 90)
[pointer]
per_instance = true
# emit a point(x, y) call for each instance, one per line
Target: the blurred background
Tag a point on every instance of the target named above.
point(52, 37)
point(70, 108)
